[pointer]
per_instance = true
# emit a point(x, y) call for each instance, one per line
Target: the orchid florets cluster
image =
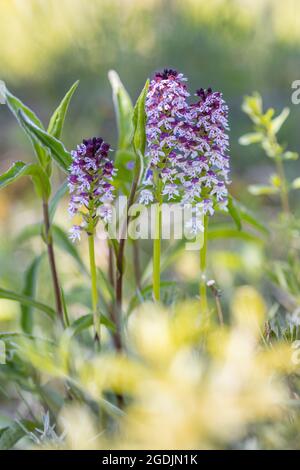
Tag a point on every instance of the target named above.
point(90, 185)
point(187, 145)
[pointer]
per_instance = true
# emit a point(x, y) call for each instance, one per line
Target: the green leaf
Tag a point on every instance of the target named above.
point(60, 193)
point(124, 162)
point(10, 435)
point(252, 105)
point(234, 212)
point(251, 138)
point(146, 293)
point(279, 120)
point(296, 183)
point(30, 231)
point(290, 155)
point(262, 190)
point(9, 335)
point(65, 309)
point(25, 300)
point(224, 231)
point(57, 149)
point(123, 109)
point(58, 117)
point(15, 105)
point(39, 177)
point(167, 258)
point(60, 239)
point(139, 122)
point(29, 290)
point(86, 321)
point(275, 180)
point(65, 244)
point(251, 219)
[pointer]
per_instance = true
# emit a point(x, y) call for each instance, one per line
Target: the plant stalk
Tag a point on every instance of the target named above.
point(120, 258)
point(52, 263)
point(283, 187)
point(93, 271)
point(136, 263)
point(157, 252)
point(203, 254)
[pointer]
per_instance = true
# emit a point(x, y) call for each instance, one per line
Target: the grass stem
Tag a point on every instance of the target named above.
point(203, 255)
point(93, 271)
point(157, 252)
point(52, 263)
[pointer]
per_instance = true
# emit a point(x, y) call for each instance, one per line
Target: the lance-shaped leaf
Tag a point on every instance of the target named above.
point(251, 138)
point(60, 193)
point(29, 290)
point(25, 300)
point(139, 122)
point(252, 105)
point(247, 216)
point(279, 120)
point(64, 242)
point(227, 231)
point(296, 183)
point(58, 117)
point(56, 148)
point(86, 321)
point(234, 212)
point(123, 109)
point(290, 155)
point(10, 435)
point(34, 171)
point(262, 190)
point(15, 105)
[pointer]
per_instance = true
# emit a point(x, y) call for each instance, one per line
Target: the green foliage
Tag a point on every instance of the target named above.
point(139, 122)
point(27, 301)
point(58, 117)
point(57, 149)
point(15, 105)
point(65, 244)
point(123, 110)
point(60, 193)
point(9, 436)
point(153, 353)
point(266, 128)
point(34, 171)
point(30, 280)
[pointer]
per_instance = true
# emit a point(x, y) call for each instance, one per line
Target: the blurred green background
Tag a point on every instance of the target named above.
point(236, 46)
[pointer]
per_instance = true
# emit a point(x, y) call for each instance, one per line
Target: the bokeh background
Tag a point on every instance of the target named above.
point(236, 46)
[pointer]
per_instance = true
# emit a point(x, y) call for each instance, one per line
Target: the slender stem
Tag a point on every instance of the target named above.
point(203, 252)
point(111, 274)
point(52, 263)
point(219, 310)
point(120, 256)
point(156, 252)
point(216, 294)
point(96, 314)
point(283, 187)
point(113, 314)
point(136, 263)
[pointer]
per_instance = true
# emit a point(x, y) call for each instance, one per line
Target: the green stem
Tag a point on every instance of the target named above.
point(203, 280)
point(93, 270)
point(156, 252)
point(52, 263)
point(283, 186)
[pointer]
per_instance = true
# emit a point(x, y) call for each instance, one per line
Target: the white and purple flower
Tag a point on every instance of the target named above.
point(90, 184)
point(187, 144)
